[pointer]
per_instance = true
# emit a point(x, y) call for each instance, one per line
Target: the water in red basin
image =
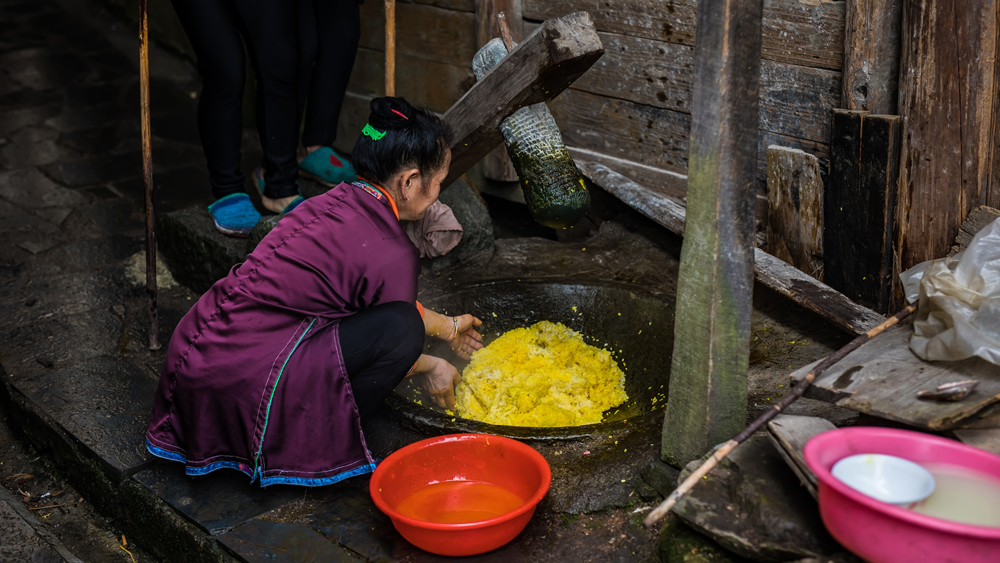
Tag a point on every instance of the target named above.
point(454, 502)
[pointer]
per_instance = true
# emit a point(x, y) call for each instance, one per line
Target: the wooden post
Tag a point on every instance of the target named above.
point(147, 174)
point(497, 164)
point(860, 206)
point(871, 55)
point(390, 47)
point(708, 390)
point(795, 209)
point(948, 101)
point(539, 69)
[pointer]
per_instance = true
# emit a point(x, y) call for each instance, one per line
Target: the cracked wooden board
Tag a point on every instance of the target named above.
point(882, 378)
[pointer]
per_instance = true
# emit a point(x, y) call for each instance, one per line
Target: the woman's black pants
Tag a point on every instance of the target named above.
point(380, 345)
point(281, 58)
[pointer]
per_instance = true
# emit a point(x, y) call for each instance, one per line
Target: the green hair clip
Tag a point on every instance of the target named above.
point(372, 132)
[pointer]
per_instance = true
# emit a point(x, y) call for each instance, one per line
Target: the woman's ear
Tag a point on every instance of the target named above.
point(410, 181)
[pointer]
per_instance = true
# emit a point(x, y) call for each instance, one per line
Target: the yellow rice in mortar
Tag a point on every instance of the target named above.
point(544, 375)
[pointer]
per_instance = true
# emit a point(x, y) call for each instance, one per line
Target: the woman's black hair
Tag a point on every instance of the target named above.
point(413, 138)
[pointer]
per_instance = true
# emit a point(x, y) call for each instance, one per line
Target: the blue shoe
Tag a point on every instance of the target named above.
point(234, 215)
point(327, 167)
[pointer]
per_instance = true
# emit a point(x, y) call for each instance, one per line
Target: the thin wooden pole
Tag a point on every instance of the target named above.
point(800, 388)
point(390, 47)
point(147, 175)
point(508, 41)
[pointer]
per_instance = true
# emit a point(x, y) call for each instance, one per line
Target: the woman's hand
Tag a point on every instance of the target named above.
point(458, 331)
point(439, 381)
point(465, 340)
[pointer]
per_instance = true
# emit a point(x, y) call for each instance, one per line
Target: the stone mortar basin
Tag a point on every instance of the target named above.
point(637, 327)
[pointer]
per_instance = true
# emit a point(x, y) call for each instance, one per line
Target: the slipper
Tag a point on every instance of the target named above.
point(327, 167)
point(258, 180)
point(234, 215)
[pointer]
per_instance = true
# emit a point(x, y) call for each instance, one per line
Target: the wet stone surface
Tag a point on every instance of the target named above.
point(102, 402)
point(260, 541)
point(218, 501)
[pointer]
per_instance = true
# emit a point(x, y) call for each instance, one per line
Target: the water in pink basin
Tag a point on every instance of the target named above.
point(884, 533)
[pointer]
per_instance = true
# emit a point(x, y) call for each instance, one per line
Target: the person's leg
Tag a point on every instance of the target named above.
point(380, 345)
point(211, 25)
point(271, 29)
point(339, 29)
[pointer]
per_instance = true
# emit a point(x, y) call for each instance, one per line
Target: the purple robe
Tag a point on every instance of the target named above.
point(254, 377)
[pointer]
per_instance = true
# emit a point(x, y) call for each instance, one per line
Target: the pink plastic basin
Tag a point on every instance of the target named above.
point(883, 533)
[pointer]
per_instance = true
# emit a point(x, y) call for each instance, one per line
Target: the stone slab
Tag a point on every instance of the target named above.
point(196, 253)
point(62, 341)
point(104, 403)
point(751, 503)
point(260, 541)
point(216, 502)
point(25, 538)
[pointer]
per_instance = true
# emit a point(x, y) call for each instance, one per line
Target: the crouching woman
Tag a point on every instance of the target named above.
point(272, 371)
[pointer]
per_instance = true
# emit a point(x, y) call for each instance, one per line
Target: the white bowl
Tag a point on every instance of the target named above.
point(886, 478)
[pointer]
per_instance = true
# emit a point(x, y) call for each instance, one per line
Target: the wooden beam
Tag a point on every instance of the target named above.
point(496, 164)
point(537, 70)
point(947, 99)
point(775, 274)
point(795, 209)
point(871, 55)
point(708, 390)
point(860, 206)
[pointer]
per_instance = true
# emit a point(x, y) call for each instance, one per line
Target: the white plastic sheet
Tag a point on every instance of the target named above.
point(958, 312)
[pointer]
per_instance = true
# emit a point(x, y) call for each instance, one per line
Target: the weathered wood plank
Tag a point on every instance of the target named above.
point(775, 274)
point(460, 5)
point(795, 209)
point(497, 165)
point(984, 439)
point(794, 100)
point(422, 82)
point(648, 135)
point(653, 203)
point(947, 99)
point(814, 295)
point(883, 377)
point(767, 139)
point(708, 390)
point(671, 184)
point(789, 434)
point(423, 31)
point(803, 33)
point(871, 55)
point(861, 206)
point(975, 222)
point(538, 69)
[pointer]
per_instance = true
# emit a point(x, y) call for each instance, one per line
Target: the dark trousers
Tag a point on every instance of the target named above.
point(217, 29)
point(329, 31)
point(380, 345)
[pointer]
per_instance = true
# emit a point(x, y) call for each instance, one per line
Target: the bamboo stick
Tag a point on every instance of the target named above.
point(508, 40)
point(390, 47)
point(147, 175)
point(800, 388)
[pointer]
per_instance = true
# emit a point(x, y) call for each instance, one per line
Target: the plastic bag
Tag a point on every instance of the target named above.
point(958, 312)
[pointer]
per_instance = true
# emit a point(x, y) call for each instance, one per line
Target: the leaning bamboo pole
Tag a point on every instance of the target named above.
point(390, 47)
point(800, 388)
point(147, 175)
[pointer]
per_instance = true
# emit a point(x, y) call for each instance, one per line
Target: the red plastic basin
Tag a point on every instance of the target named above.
point(461, 462)
point(884, 533)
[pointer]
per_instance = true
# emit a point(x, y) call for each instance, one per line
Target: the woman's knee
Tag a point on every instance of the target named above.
point(409, 324)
